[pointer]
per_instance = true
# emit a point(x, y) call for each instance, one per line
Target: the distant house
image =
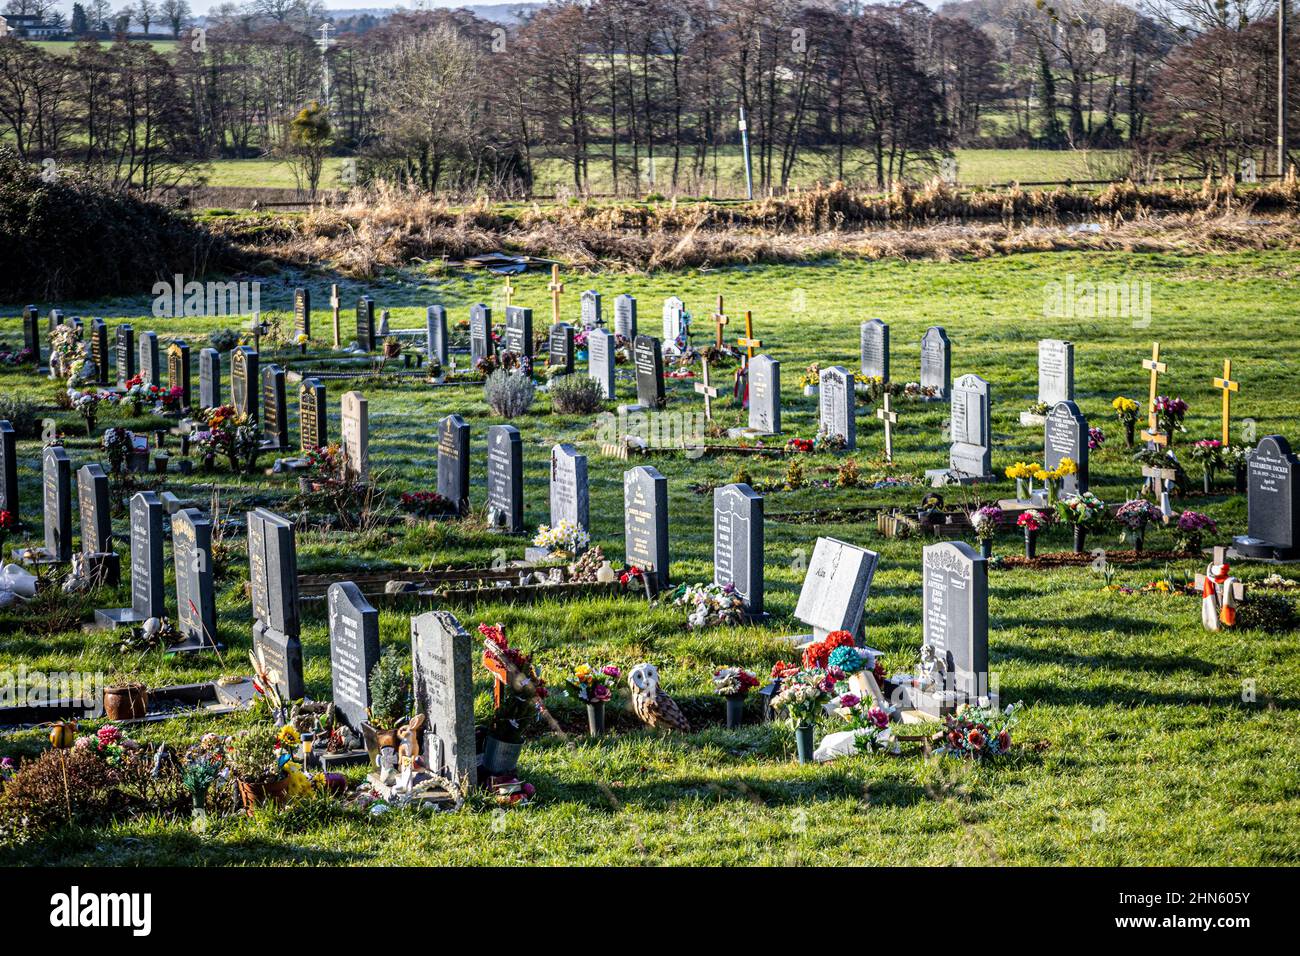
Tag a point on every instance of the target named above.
point(31, 27)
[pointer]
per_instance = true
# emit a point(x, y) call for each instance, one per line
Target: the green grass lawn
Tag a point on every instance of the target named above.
point(1135, 745)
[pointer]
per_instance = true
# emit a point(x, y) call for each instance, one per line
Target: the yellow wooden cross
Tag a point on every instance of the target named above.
point(1156, 368)
point(720, 319)
point(890, 417)
point(749, 342)
point(708, 391)
point(1228, 386)
point(556, 287)
point(334, 306)
point(509, 291)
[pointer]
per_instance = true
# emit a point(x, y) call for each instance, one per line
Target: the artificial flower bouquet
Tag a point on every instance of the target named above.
point(1134, 515)
point(519, 689)
point(977, 732)
point(1192, 525)
point(803, 697)
point(1033, 520)
point(566, 538)
point(592, 686)
point(709, 604)
point(985, 521)
point(1081, 511)
point(733, 681)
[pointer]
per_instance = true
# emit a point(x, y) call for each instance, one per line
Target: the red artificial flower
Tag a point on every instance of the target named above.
point(976, 739)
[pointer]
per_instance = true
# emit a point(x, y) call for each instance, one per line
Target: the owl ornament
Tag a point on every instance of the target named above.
point(651, 704)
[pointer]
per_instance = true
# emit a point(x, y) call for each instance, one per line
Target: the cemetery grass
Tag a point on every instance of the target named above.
point(1135, 744)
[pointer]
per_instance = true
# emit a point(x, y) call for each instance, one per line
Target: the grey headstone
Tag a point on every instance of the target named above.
point(738, 543)
point(589, 303)
point(366, 323)
point(275, 408)
point(453, 461)
point(971, 451)
point(92, 500)
point(273, 581)
point(936, 361)
point(1272, 518)
point(435, 325)
point(356, 435)
point(178, 372)
point(1065, 435)
point(835, 588)
point(765, 395)
point(126, 355)
point(649, 362)
point(559, 351)
point(645, 522)
point(519, 331)
point(481, 345)
point(625, 316)
point(209, 378)
point(313, 415)
point(838, 414)
point(505, 479)
point(9, 470)
point(443, 683)
point(56, 470)
point(147, 595)
point(600, 360)
point(196, 605)
point(302, 312)
point(244, 380)
point(955, 617)
point(150, 370)
point(874, 343)
point(570, 498)
point(32, 332)
point(1055, 371)
point(354, 650)
point(674, 319)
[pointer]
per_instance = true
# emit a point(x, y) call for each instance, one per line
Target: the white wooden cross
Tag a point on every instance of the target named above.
point(890, 418)
point(708, 391)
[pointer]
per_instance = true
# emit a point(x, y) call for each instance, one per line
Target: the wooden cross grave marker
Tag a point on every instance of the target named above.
point(1220, 556)
point(334, 307)
point(890, 417)
point(720, 319)
point(509, 291)
point(749, 343)
point(1156, 368)
point(556, 287)
point(708, 391)
point(1227, 386)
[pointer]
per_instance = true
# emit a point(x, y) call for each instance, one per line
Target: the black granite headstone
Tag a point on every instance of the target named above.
point(453, 461)
point(505, 479)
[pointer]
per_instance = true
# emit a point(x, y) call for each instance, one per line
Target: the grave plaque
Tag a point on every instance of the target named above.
point(32, 333)
point(209, 378)
point(589, 302)
point(954, 614)
point(838, 417)
point(356, 436)
point(435, 326)
point(55, 319)
point(600, 361)
point(645, 522)
point(453, 462)
point(9, 471)
point(302, 312)
point(354, 651)
point(1065, 435)
point(625, 316)
point(443, 683)
point(147, 595)
point(570, 499)
point(244, 380)
point(275, 410)
point(936, 361)
point(99, 351)
point(196, 608)
point(835, 588)
point(519, 331)
point(481, 345)
point(764, 395)
point(92, 500)
point(56, 470)
point(1272, 518)
point(874, 342)
point(366, 324)
point(674, 320)
point(178, 372)
point(1055, 371)
point(313, 415)
point(738, 543)
point(150, 370)
point(273, 583)
point(125, 354)
point(505, 479)
point(649, 362)
point(560, 347)
point(971, 453)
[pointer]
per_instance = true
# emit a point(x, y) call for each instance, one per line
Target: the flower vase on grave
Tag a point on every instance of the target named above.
point(1050, 485)
point(1239, 479)
point(596, 718)
point(986, 548)
point(1031, 543)
point(500, 757)
point(1139, 538)
point(735, 710)
point(803, 742)
point(1080, 536)
point(1166, 508)
point(1020, 489)
point(1129, 427)
point(1208, 480)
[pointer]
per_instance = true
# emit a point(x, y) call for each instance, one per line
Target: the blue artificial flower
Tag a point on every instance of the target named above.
point(846, 659)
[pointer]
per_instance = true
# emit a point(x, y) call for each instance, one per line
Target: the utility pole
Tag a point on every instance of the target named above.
point(744, 145)
point(1281, 88)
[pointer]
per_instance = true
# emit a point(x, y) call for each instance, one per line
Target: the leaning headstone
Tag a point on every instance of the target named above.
point(275, 410)
point(649, 362)
point(645, 523)
point(99, 353)
point(837, 406)
point(302, 312)
point(481, 345)
point(505, 479)
point(559, 349)
point(955, 623)
point(273, 582)
point(453, 462)
point(835, 588)
point(366, 324)
point(356, 436)
point(354, 651)
point(435, 325)
point(126, 354)
point(570, 498)
point(32, 333)
point(442, 673)
point(56, 469)
point(196, 598)
point(147, 593)
point(936, 362)
point(209, 378)
point(1272, 515)
point(874, 343)
point(150, 371)
point(600, 360)
point(625, 316)
point(738, 543)
point(764, 395)
point(9, 471)
point(519, 331)
point(1065, 435)
point(313, 415)
point(1055, 371)
point(244, 381)
point(178, 372)
point(589, 302)
point(674, 321)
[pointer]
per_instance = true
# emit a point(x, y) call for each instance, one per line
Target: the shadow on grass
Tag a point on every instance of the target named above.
point(1099, 623)
point(1109, 660)
point(174, 846)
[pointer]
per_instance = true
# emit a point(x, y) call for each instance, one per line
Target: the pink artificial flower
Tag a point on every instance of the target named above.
point(878, 717)
point(108, 735)
point(609, 670)
point(600, 692)
point(850, 700)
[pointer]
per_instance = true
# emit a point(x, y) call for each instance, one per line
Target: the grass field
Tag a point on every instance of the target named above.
point(1135, 746)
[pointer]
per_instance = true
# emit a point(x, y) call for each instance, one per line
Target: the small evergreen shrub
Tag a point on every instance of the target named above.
point(20, 412)
point(509, 393)
point(576, 395)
